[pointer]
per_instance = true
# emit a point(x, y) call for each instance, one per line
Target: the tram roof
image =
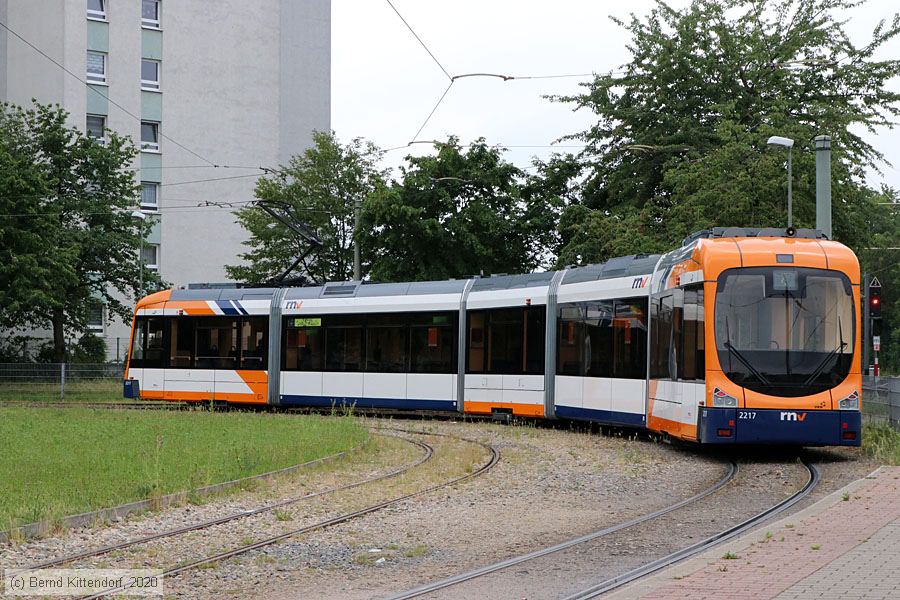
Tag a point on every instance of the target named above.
point(622, 266)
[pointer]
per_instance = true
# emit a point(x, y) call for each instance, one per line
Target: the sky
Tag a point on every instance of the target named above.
point(384, 84)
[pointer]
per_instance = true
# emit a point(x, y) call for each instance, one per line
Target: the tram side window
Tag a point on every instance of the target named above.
point(254, 343)
point(344, 343)
point(599, 339)
point(386, 341)
point(181, 342)
point(477, 344)
point(692, 364)
point(217, 343)
point(154, 352)
point(630, 339)
point(507, 341)
point(570, 341)
point(304, 344)
point(137, 343)
point(431, 344)
point(661, 314)
point(675, 349)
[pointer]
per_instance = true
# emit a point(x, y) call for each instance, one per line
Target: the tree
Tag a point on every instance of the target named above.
point(455, 214)
point(67, 237)
point(680, 141)
point(322, 185)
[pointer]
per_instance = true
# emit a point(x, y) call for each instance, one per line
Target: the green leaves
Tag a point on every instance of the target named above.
point(67, 237)
point(679, 142)
point(322, 185)
point(464, 211)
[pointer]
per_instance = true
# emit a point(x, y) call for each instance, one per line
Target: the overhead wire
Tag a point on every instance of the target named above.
point(416, 35)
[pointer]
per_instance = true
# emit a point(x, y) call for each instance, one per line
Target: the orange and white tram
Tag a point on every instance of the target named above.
point(739, 336)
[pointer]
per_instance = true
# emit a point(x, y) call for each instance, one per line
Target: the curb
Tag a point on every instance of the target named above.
point(40, 528)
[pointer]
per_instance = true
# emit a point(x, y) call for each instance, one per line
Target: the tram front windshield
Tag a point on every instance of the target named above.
point(785, 331)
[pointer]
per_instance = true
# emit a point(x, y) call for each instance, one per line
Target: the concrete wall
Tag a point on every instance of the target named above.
point(242, 84)
point(305, 94)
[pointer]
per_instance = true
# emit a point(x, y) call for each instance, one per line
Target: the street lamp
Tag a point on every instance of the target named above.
point(140, 216)
point(783, 142)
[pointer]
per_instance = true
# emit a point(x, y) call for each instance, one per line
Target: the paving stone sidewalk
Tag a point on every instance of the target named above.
point(847, 545)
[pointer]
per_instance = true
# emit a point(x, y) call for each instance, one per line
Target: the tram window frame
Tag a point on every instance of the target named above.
point(438, 328)
point(601, 340)
point(159, 358)
point(570, 340)
point(486, 345)
point(598, 338)
point(218, 361)
point(175, 338)
point(379, 330)
point(692, 359)
point(632, 365)
point(661, 311)
point(250, 327)
point(342, 325)
point(311, 329)
point(138, 342)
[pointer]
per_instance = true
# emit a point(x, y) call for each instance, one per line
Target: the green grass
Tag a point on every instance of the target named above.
point(57, 462)
point(90, 390)
point(882, 442)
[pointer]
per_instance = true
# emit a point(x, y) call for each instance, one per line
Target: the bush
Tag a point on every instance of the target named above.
point(89, 349)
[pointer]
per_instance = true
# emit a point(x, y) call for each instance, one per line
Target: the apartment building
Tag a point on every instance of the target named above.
point(210, 91)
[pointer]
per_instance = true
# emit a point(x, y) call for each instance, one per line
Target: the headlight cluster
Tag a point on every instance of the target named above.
point(722, 400)
point(851, 402)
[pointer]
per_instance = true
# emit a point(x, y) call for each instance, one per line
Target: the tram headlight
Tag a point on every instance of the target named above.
point(722, 400)
point(851, 402)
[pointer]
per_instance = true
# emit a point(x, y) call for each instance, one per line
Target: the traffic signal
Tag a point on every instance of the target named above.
point(875, 302)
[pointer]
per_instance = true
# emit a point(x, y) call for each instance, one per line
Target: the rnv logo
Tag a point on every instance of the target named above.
point(793, 416)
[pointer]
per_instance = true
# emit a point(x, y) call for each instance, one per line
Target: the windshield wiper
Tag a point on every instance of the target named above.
point(762, 378)
point(840, 348)
point(740, 357)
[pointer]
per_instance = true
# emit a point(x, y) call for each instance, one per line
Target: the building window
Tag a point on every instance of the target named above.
point(149, 195)
point(96, 9)
point(150, 256)
point(96, 128)
point(149, 136)
point(150, 75)
point(150, 13)
point(96, 67)
point(95, 318)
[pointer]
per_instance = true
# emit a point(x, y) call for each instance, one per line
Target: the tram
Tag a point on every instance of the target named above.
point(740, 336)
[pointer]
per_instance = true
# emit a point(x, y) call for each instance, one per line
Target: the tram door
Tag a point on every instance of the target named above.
point(505, 362)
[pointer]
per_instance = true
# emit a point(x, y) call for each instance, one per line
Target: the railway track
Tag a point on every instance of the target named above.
point(243, 549)
point(427, 454)
point(613, 583)
point(701, 546)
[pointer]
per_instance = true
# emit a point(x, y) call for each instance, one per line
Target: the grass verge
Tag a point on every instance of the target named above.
point(90, 390)
point(57, 462)
point(882, 442)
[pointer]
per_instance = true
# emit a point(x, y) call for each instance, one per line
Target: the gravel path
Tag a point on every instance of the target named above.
point(551, 485)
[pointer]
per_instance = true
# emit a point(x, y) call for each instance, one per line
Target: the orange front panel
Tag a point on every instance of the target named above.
point(761, 252)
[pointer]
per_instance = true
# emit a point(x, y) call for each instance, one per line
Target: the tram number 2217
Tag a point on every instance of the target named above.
point(747, 414)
